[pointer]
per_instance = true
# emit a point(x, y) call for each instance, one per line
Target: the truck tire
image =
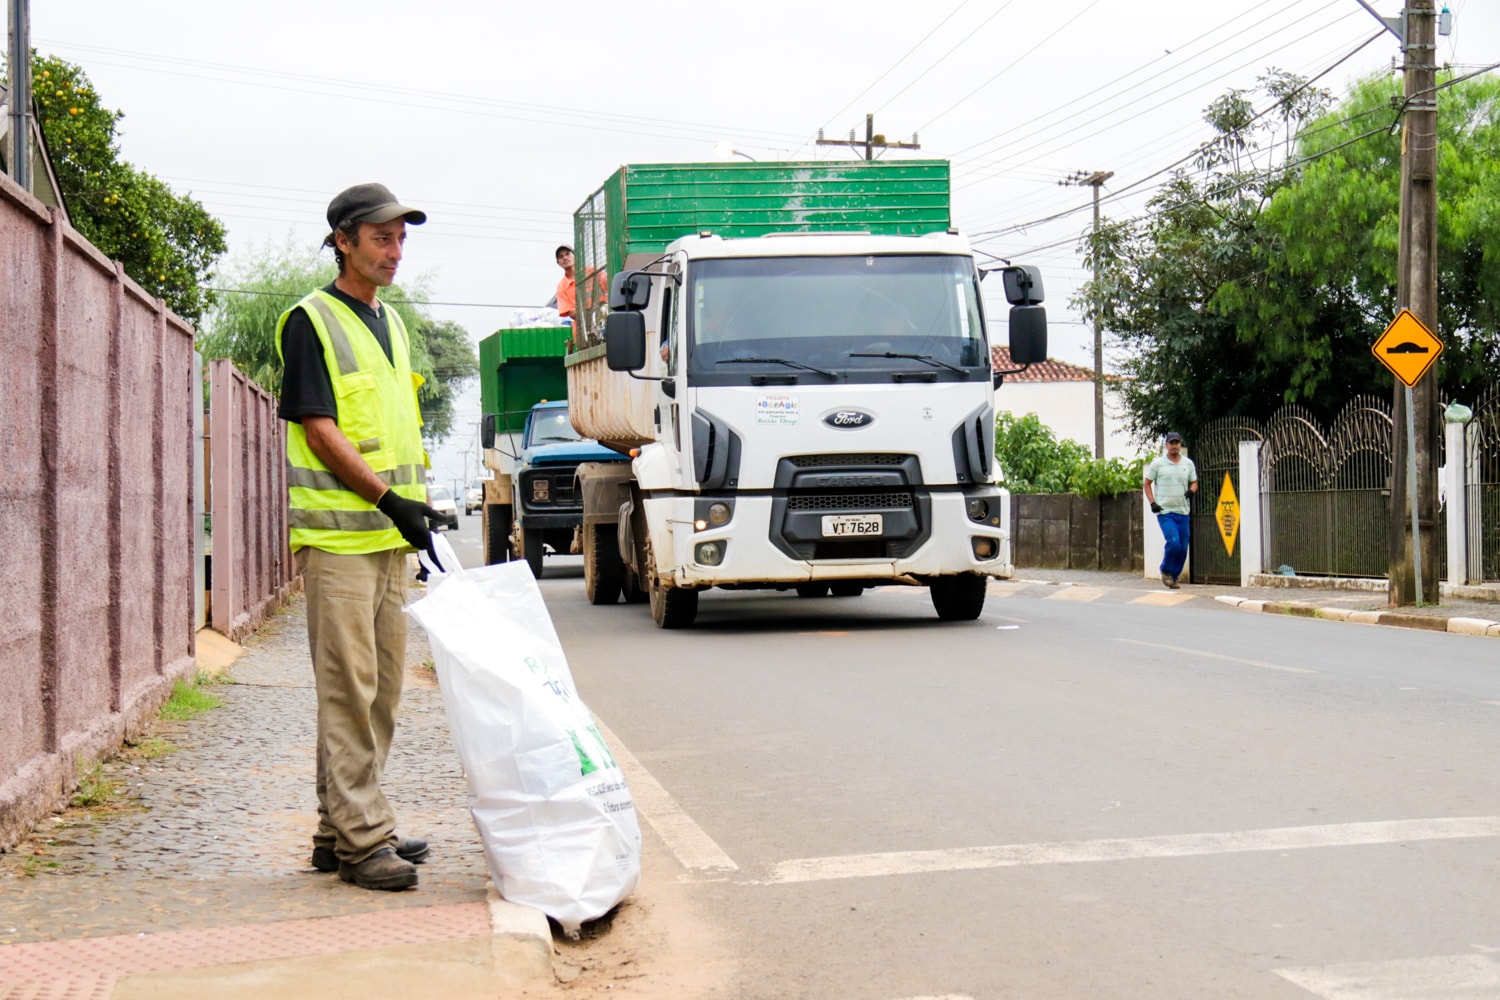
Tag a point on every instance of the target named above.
point(673, 607)
point(632, 589)
point(843, 588)
point(603, 572)
point(533, 548)
point(812, 590)
point(958, 598)
point(497, 522)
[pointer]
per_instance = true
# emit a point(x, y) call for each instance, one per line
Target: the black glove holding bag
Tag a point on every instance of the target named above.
point(411, 519)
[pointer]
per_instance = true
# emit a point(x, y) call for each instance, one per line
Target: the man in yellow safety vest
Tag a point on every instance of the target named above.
point(356, 475)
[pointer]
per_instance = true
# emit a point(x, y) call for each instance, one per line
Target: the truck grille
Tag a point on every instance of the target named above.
point(850, 501)
point(852, 460)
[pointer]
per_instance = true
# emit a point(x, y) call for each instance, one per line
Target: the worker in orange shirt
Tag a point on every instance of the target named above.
point(567, 291)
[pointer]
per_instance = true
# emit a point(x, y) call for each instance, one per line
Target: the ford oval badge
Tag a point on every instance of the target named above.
point(846, 420)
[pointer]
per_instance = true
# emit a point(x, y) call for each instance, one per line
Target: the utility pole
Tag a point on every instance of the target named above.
point(1413, 567)
point(871, 141)
point(1095, 179)
point(19, 97)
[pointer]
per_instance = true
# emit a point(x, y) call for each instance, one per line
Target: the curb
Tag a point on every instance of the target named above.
point(520, 937)
point(1398, 619)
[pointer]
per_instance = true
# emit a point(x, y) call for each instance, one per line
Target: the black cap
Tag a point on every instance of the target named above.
point(370, 203)
point(560, 251)
point(1173, 436)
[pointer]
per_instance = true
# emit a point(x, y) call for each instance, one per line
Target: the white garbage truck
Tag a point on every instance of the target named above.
point(795, 358)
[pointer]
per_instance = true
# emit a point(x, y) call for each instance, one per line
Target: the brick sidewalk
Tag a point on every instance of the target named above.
point(213, 865)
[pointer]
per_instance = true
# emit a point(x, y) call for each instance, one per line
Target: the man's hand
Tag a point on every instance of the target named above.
point(1155, 507)
point(411, 519)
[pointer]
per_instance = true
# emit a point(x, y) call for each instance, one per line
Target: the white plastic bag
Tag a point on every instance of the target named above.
point(553, 810)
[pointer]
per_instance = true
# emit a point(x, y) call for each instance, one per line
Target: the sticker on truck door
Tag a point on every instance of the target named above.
point(778, 410)
point(850, 525)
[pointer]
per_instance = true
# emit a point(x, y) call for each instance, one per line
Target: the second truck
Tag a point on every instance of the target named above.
point(795, 358)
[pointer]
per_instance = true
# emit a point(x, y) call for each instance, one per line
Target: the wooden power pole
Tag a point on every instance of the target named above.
point(1095, 179)
point(1416, 290)
point(870, 142)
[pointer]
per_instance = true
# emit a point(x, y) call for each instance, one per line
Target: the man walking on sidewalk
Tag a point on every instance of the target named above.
point(1170, 480)
point(356, 473)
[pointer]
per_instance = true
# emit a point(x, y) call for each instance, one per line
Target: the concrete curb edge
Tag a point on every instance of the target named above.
point(1398, 619)
point(520, 937)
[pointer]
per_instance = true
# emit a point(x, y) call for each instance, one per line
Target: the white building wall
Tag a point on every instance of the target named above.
point(1068, 409)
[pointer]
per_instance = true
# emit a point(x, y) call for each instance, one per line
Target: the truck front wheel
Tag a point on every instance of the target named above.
point(958, 598)
point(672, 607)
point(497, 522)
point(532, 548)
point(603, 572)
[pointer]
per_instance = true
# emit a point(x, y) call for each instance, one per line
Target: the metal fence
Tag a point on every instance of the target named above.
point(1483, 440)
point(1216, 453)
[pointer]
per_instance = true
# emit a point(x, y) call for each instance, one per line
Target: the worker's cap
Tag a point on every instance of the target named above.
point(370, 203)
point(560, 251)
point(1173, 436)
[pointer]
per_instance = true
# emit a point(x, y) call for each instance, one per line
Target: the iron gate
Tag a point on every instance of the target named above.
point(1216, 453)
point(1483, 439)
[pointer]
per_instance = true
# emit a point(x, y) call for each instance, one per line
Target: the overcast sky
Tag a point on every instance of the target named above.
point(499, 118)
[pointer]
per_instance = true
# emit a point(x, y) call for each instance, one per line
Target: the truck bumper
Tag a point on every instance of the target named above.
point(753, 547)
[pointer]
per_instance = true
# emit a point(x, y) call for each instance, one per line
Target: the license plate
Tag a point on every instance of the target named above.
point(843, 525)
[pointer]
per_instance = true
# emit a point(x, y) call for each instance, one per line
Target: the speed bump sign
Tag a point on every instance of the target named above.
point(1407, 348)
point(1227, 514)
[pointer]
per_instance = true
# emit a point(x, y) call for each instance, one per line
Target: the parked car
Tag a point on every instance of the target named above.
point(440, 499)
point(474, 496)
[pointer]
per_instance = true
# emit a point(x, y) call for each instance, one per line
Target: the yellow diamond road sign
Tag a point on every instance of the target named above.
point(1407, 348)
point(1228, 515)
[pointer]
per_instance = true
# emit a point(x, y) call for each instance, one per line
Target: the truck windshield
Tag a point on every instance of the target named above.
point(551, 427)
point(867, 319)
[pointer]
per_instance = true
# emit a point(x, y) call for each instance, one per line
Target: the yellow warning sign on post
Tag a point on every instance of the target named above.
point(1407, 348)
point(1227, 513)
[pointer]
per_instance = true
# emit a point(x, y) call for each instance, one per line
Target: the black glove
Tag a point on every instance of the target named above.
point(410, 518)
point(1155, 507)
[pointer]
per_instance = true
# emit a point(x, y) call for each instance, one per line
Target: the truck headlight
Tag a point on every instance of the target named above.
point(984, 547)
point(709, 553)
point(541, 490)
point(718, 512)
point(979, 509)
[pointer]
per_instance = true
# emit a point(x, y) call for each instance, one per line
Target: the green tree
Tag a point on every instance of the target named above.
point(1033, 460)
point(241, 326)
point(1263, 278)
point(167, 242)
point(1186, 355)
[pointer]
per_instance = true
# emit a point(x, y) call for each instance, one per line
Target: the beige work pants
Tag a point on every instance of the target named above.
point(357, 633)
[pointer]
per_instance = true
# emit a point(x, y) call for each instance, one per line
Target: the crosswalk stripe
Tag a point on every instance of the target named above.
point(1077, 594)
point(1441, 977)
point(1133, 849)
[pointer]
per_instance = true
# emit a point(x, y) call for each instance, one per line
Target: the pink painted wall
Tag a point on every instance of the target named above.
point(96, 600)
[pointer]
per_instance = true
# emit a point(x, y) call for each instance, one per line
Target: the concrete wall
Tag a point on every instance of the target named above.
point(1064, 531)
point(253, 568)
point(96, 507)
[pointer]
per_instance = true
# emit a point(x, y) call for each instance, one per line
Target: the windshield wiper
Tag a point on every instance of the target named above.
point(912, 357)
point(777, 361)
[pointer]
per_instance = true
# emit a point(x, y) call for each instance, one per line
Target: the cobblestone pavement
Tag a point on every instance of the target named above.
point(222, 832)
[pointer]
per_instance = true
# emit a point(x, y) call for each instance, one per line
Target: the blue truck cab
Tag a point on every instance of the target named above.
point(548, 501)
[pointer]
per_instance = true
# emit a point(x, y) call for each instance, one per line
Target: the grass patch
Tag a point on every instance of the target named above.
point(150, 748)
point(95, 788)
point(189, 700)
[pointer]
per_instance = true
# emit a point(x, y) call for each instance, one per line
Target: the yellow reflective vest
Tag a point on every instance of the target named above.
point(378, 413)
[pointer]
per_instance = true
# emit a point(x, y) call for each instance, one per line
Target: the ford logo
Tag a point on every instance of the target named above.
point(849, 419)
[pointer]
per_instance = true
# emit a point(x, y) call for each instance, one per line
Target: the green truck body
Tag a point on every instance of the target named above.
point(641, 208)
point(519, 368)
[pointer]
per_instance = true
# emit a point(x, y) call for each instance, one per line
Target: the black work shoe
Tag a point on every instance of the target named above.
point(381, 870)
point(413, 849)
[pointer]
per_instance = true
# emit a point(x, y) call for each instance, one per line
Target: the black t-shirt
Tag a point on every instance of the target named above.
point(306, 386)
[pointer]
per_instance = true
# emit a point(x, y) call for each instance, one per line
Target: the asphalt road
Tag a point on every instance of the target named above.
point(1067, 798)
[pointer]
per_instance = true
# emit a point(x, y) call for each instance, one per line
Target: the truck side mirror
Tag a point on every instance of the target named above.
point(1023, 285)
point(1028, 334)
point(625, 341)
point(629, 290)
point(487, 430)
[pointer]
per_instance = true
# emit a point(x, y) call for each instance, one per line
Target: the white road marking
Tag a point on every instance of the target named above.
point(1162, 598)
point(1077, 594)
point(945, 996)
point(694, 849)
point(1172, 846)
point(1442, 977)
point(1217, 656)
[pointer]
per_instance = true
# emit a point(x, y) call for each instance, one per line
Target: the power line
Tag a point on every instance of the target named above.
point(942, 58)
